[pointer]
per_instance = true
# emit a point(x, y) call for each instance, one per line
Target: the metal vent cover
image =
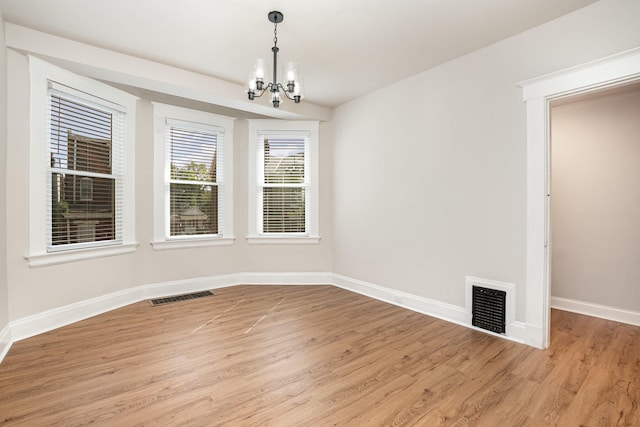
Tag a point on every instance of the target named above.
point(183, 297)
point(489, 309)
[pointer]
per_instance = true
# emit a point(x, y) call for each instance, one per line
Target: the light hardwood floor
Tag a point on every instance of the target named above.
point(315, 356)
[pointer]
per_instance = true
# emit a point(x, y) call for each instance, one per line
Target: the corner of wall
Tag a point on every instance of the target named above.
point(4, 287)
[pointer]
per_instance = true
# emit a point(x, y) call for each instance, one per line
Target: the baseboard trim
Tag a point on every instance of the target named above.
point(52, 319)
point(286, 278)
point(61, 316)
point(5, 341)
point(441, 310)
point(65, 315)
point(448, 312)
point(533, 335)
point(596, 310)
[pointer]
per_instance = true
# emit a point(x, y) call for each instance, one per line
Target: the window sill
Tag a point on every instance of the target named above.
point(53, 258)
point(191, 243)
point(283, 240)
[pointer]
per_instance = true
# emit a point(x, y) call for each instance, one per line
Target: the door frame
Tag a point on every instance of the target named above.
point(537, 93)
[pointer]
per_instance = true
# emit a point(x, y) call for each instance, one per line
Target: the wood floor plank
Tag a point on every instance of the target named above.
point(315, 356)
point(615, 381)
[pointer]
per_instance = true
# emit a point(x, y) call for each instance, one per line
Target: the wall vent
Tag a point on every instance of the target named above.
point(489, 309)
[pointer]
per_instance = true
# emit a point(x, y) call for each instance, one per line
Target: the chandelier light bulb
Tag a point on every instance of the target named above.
point(275, 99)
point(260, 69)
point(292, 72)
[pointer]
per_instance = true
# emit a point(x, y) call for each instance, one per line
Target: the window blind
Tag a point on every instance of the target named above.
point(195, 162)
point(284, 189)
point(86, 166)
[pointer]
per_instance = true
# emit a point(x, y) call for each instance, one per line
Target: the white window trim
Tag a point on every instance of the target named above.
point(307, 128)
point(162, 113)
point(41, 73)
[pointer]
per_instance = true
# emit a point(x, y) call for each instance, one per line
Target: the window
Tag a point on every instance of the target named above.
point(193, 185)
point(81, 167)
point(193, 192)
point(283, 202)
point(282, 190)
point(85, 152)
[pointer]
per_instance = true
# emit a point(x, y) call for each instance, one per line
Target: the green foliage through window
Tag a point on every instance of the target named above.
point(193, 186)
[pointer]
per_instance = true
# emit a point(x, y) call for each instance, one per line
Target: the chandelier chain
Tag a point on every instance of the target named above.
point(275, 34)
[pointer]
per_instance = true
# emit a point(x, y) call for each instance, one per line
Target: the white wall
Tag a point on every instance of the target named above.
point(596, 199)
point(4, 306)
point(430, 173)
point(34, 290)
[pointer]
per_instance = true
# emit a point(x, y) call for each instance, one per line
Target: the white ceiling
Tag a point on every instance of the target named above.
point(345, 48)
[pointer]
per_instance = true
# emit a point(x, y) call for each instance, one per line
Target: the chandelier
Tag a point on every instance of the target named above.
point(257, 85)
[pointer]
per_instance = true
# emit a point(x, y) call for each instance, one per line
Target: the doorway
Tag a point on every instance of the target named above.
point(538, 93)
point(595, 203)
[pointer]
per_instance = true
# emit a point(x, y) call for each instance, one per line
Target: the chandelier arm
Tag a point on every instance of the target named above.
point(259, 93)
point(286, 93)
point(294, 98)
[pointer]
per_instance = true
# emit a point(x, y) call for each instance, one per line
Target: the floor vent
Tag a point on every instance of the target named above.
point(488, 309)
point(176, 298)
